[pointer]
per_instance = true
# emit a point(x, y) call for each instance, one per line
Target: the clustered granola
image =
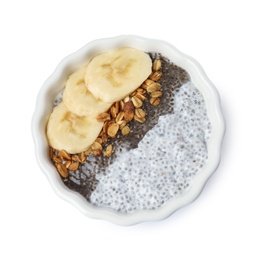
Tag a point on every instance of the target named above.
point(115, 120)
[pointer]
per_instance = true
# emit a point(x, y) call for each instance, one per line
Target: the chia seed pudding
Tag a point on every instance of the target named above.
point(159, 159)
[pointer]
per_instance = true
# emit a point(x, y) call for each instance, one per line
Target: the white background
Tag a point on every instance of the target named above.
point(224, 222)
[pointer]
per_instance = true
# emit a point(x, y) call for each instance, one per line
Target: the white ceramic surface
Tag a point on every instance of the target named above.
point(54, 85)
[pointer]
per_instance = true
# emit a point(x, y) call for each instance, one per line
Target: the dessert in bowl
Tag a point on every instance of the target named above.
point(128, 129)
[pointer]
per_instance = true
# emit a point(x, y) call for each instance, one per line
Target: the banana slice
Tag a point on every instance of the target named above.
point(70, 132)
point(113, 75)
point(79, 100)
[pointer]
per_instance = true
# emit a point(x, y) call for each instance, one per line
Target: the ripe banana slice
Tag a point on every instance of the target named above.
point(79, 100)
point(113, 75)
point(70, 132)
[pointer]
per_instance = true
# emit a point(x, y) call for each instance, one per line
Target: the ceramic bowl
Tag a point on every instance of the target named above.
point(54, 85)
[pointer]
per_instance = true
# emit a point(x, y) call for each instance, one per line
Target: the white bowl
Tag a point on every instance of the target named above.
point(54, 85)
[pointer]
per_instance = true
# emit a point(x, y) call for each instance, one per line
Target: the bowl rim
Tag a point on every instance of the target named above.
point(55, 83)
